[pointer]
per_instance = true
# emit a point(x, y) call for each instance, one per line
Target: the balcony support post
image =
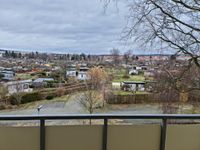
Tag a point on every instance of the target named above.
point(163, 134)
point(105, 134)
point(42, 134)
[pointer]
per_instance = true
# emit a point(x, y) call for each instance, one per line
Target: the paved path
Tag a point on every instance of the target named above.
point(69, 107)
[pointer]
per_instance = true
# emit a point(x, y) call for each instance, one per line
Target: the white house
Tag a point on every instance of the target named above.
point(71, 72)
point(133, 72)
point(18, 86)
point(138, 68)
point(116, 85)
point(82, 74)
point(133, 85)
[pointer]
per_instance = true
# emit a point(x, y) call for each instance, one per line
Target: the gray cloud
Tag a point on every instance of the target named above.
point(62, 25)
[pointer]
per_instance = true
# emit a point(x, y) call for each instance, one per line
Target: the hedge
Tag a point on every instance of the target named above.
point(31, 97)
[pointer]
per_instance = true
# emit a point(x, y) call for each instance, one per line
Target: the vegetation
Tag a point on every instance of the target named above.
point(2, 106)
point(90, 100)
point(49, 97)
point(30, 97)
point(24, 76)
point(120, 75)
point(164, 22)
point(120, 92)
point(35, 104)
point(3, 92)
point(120, 78)
point(1, 76)
point(115, 56)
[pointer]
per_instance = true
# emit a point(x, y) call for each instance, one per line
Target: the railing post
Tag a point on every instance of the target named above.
point(105, 134)
point(42, 134)
point(163, 134)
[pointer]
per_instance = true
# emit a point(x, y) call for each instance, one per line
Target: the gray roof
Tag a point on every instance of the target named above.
point(18, 82)
point(43, 80)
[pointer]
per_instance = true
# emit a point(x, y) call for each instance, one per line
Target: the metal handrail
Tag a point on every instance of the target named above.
point(100, 116)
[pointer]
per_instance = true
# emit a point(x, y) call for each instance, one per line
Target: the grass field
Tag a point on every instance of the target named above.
point(24, 76)
point(119, 76)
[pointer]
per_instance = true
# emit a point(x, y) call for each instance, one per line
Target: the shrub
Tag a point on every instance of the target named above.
point(2, 106)
point(126, 76)
point(60, 92)
point(33, 74)
point(49, 97)
point(31, 97)
point(15, 99)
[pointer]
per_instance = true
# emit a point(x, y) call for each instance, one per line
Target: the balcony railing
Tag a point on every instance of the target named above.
point(105, 117)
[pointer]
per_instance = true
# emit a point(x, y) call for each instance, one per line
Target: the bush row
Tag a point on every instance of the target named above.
point(41, 95)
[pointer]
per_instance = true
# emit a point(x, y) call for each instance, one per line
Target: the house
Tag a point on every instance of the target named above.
point(71, 72)
point(18, 68)
point(18, 86)
point(116, 85)
point(133, 85)
point(82, 74)
point(56, 68)
point(133, 72)
point(7, 75)
point(40, 82)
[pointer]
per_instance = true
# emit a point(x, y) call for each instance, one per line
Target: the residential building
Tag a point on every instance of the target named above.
point(18, 86)
point(82, 74)
point(71, 72)
point(133, 72)
point(7, 75)
point(133, 85)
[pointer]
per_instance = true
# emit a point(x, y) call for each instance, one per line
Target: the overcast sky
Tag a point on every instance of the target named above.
point(68, 26)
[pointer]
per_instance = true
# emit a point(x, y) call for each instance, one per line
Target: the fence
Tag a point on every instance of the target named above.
point(101, 137)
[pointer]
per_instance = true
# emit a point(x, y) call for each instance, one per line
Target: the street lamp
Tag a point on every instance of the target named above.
point(39, 108)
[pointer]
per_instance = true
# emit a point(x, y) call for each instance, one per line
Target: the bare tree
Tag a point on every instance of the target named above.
point(94, 95)
point(165, 25)
point(127, 56)
point(90, 100)
point(176, 81)
point(3, 92)
point(98, 78)
point(115, 56)
point(168, 95)
point(175, 24)
point(18, 93)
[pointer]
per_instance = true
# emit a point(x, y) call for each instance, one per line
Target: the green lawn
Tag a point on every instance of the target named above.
point(23, 76)
point(119, 75)
point(119, 78)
